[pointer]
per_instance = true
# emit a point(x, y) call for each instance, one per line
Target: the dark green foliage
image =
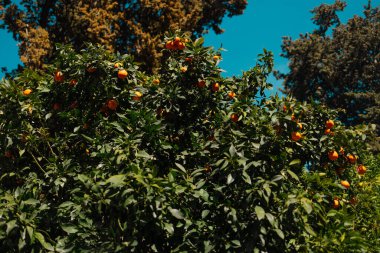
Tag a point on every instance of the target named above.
point(170, 171)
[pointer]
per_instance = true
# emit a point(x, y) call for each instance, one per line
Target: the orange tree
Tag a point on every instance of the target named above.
point(98, 155)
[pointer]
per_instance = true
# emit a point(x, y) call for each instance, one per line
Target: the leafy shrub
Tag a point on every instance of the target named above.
point(98, 159)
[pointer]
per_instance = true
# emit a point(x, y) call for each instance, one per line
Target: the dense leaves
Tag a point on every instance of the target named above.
point(100, 156)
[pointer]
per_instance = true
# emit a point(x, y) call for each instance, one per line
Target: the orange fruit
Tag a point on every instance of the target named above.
point(73, 82)
point(336, 203)
point(201, 84)
point(8, 154)
point(329, 124)
point(189, 59)
point(284, 108)
point(27, 92)
point(327, 131)
point(296, 136)
point(231, 94)
point(234, 117)
point(122, 74)
point(345, 184)
point(183, 69)
point(56, 106)
point(362, 169)
point(215, 87)
point(341, 151)
point(118, 65)
point(299, 125)
point(58, 76)
point(91, 69)
point(181, 46)
point(333, 155)
point(216, 57)
point(73, 105)
point(351, 158)
point(293, 117)
point(112, 104)
point(169, 45)
point(137, 96)
point(177, 39)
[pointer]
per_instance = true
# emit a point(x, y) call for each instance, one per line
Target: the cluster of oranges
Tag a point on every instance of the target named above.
point(176, 44)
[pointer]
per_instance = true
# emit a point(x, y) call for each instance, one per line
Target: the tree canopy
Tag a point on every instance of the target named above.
point(136, 27)
point(338, 64)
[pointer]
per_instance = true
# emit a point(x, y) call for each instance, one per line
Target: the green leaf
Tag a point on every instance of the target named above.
point(205, 213)
point(259, 212)
point(117, 180)
point(69, 229)
point(306, 204)
point(181, 167)
point(143, 154)
point(230, 179)
point(176, 213)
point(293, 175)
point(11, 225)
point(280, 233)
point(294, 162)
point(48, 116)
point(31, 202)
point(41, 239)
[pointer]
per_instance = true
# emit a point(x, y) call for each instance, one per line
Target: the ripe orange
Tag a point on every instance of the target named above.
point(27, 92)
point(181, 46)
point(201, 84)
point(112, 104)
point(333, 155)
point(336, 203)
point(137, 96)
point(189, 59)
point(362, 169)
point(183, 69)
point(329, 124)
point(345, 184)
point(231, 94)
point(327, 131)
point(8, 154)
point(234, 117)
point(351, 158)
point(299, 125)
point(118, 65)
point(58, 76)
point(91, 69)
point(169, 45)
point(296, 136)
point(216, 57)
point(56, 106)
point(293, 117)
point(122, 74)
point(341, 151)
point(284, 108)
point(177, 39)
point(215, 87)
point(73, 82)
point(156, 81)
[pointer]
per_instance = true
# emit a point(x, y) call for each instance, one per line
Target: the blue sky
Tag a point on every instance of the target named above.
point(262, 25)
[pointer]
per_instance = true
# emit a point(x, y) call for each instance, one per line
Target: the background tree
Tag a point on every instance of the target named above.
point(136, 27)
point(339, 67)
